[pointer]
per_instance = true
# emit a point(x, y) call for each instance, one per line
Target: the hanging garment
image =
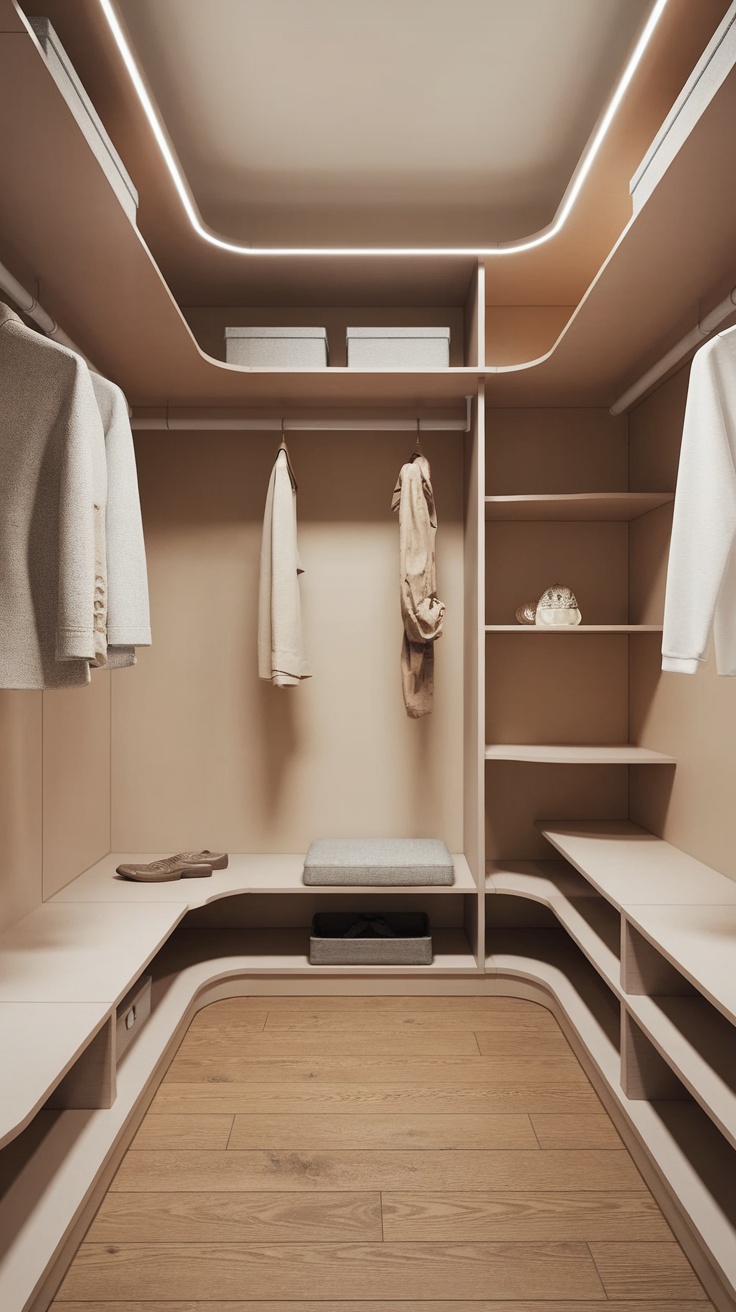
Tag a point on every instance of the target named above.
point(701, 575)
point(421, 610)
point(281, 657)
point(128, 615)
point(53, 489)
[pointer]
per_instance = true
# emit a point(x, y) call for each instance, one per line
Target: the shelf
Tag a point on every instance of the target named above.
point(576, 506)
point(268, 872)
point(562, 754)
point(547, 957)
point(83, 952)
point(577, 628)
point(40, 1043)
point(100, 281)
point(698, 1044)
point(629, 866)
point(686, 1149)
point(698, 940)
point(285, 952)
point(590, 921)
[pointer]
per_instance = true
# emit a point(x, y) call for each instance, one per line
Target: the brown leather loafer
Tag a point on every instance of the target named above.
point(165, 870)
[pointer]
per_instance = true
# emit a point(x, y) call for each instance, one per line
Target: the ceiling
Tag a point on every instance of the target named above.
point(394, 122)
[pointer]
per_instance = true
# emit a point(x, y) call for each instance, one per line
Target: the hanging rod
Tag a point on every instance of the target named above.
point(679, 352)
point(28, 304)
point(213, 421)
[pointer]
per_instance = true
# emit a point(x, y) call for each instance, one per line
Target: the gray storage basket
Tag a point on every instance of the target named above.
point(412, 945)
point(378, 861)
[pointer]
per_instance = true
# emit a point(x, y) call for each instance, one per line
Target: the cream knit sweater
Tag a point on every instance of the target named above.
point(53, 490)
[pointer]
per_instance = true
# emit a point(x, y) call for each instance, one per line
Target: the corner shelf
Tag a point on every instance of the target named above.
point(266, 872)
point(677, 984)
point(563, 754)
point(575, 506)
point(684, 1145)
point(591, 923)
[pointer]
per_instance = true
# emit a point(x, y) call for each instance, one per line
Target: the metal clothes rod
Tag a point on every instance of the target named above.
point(690, 342)
point(10, 286)
point(174, 423)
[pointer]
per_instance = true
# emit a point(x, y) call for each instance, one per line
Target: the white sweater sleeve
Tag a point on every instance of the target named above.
point(704, 525)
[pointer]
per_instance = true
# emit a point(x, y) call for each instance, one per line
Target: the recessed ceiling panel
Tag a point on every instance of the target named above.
point(380, 122)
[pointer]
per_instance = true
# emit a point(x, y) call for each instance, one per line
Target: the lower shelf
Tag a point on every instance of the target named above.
point(286, 952)
point(690, 1155)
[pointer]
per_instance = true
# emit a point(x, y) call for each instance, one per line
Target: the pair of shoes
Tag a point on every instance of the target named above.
point(185, 865)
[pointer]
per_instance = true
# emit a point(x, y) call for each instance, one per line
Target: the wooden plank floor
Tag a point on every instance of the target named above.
point(378, 1155)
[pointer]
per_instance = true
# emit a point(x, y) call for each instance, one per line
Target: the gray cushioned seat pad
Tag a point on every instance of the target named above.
point(379, 861)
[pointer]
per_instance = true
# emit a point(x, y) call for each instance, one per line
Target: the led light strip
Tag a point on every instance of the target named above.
point(503, 248)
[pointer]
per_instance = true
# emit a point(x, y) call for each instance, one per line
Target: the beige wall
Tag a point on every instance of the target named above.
point(54, 791)
point(204, 754)
point(76, 780)
point(691, 716)
point(20, 804)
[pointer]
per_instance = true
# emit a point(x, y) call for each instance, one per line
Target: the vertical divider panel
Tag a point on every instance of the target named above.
point(474, 660)
point(475, 320)
point(91, 1081)
point(645, 971)
point(645, 1075)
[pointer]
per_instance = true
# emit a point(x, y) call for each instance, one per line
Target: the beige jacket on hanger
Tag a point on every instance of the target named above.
point(128, 614)
point(421, 610)
point(53, 489)
point(281, 656)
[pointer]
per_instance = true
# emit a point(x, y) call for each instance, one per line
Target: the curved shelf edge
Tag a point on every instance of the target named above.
point(658, 1134)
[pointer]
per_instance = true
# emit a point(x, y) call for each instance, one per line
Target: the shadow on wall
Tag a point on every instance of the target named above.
point(342, 476)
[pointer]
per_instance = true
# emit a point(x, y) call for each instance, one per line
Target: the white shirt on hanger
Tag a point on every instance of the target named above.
point(701, 575)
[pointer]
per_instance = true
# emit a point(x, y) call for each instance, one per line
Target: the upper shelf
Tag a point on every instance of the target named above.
point(63, 230)
point(576, 506)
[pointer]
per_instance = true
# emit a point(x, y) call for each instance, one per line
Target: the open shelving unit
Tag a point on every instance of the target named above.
point(655, 926)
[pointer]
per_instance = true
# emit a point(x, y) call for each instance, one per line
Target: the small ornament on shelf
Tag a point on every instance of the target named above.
point(527, 613)
point(557, 608)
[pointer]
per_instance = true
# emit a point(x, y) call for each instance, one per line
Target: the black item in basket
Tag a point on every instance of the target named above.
point(341, 938)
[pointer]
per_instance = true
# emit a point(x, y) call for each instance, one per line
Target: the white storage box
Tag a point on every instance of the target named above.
point(277, 348)
point(132, 1013)
point(88, 120)
point(398, 348)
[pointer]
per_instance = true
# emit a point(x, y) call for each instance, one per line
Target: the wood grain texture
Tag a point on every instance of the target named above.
point(428, 1216)
point(249, 1019)
point(643, 1271)
point(404, 1009)
point(419, 1180)
point(248, 1099)
point(330, 1271)
point(435, 1013)
point(357, 1170)
point(557, 1130)
point(544, 1043)
point(417, 1071)
point(398, 1131)
point(238, 1218)
point(268, 1046)
point(204, 1130)
point(373, 1305)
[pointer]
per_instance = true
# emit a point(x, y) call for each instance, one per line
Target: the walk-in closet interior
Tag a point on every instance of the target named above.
point(551, 183)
